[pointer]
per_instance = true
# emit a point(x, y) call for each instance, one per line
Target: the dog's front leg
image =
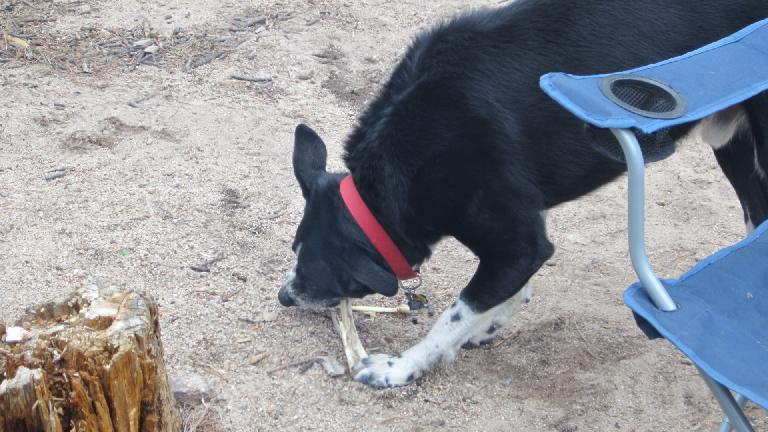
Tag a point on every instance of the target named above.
point(460, 323)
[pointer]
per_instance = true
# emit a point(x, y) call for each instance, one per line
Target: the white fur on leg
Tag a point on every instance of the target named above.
point(718, 129)
point(504, 313)
point(453, 328)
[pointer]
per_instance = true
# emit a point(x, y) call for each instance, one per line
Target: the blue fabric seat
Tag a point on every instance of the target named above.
point(710, 79)
point(721, 322)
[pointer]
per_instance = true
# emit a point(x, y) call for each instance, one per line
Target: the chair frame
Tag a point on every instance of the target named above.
point(732, 406)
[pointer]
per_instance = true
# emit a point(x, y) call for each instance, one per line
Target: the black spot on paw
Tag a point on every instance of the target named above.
point(366, 361)
point(527, 300)
point(390, 363)
point(456, 317)
point(454, 304)
point(492, 329)
point(474, 345)
point(410, 378)
point(364, 379)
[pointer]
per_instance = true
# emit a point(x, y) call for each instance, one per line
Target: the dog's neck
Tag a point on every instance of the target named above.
point(389, 204)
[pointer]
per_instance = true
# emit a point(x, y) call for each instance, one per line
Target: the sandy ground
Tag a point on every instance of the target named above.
point(96, 191)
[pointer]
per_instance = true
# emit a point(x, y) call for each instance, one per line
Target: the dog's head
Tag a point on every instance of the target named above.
point(334, 258)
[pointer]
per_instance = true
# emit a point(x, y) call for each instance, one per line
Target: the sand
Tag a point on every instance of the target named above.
point(197, 168)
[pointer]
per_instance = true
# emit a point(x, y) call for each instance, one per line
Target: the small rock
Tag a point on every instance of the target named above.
point(332, 367)
point(438, 423)
point(507, 382)
point(15, 335)
point(85, 68)
point(55, 174)
point(239, 276)
point(201, 268)
point(305, 75)
point(151, 49)
point(189, 388)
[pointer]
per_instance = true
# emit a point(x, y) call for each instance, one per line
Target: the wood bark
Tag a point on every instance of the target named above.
point(93, 362)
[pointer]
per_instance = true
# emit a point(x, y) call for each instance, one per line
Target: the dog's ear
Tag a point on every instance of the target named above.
point(309, 156)
point(374, 277)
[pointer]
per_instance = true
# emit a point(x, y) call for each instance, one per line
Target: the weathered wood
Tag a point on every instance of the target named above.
point(93, 362)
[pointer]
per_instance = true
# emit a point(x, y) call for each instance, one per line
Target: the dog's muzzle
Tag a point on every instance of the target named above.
point(285, 298)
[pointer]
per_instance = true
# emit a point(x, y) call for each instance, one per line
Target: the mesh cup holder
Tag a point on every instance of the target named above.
point(643, 96)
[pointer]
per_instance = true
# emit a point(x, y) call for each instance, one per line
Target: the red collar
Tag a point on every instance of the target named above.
point(374, 231)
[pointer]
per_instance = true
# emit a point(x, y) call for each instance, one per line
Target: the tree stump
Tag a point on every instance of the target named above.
point(93, 362)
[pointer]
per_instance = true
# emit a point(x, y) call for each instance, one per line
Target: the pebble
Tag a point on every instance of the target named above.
point(305, 75)
point(151, 49)
point(15, 335)
point(189, 388)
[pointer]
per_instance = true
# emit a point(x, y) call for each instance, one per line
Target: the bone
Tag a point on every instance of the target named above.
point(402, 308)
point(345, 326)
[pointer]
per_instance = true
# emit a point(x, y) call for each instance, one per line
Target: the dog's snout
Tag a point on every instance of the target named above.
point(285, 298)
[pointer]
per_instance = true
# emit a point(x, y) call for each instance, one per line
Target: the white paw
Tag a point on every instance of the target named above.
point(383, 371)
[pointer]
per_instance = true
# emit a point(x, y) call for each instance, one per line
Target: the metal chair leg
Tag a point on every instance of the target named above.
point(636, 191)
point(725, 426)
point(736, 417)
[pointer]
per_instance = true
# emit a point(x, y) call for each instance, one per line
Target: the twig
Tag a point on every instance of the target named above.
point(17, 42)
point(250, 22)
point(31, 19)
point(197, 61)
point(135, 103)
point(206, 266)
point(251, 79)
point(302, 363)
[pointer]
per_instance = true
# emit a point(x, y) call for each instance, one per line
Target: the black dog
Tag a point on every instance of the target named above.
point(462, 142)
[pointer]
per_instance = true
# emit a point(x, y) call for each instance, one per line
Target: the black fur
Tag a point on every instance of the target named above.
point(462, 142)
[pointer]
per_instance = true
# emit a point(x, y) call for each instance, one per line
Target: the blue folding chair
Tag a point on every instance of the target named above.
point(717, 313)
